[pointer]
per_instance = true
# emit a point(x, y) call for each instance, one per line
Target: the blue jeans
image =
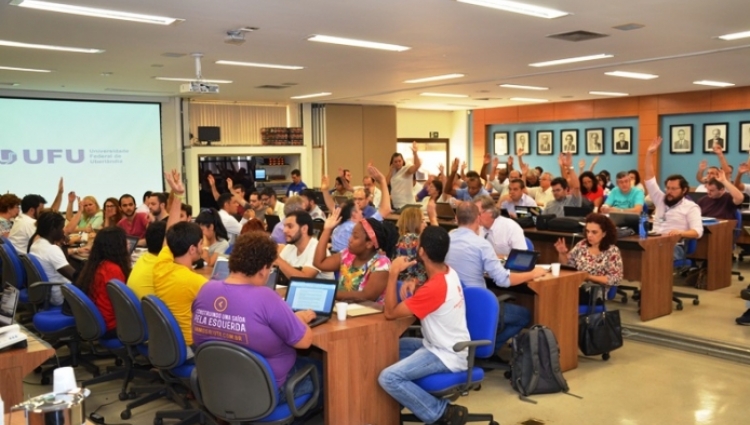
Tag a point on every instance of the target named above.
point(397, 380)
point(516, 318)
point(306, 385)
point(679, 251)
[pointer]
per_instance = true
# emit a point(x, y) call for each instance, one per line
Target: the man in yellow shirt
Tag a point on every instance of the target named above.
point(175, 283)
point(141, 279)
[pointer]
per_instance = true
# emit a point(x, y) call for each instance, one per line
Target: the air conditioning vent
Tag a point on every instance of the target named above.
point(577, 36)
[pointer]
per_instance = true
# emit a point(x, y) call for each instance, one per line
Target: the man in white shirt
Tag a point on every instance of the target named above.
point(675, 214)
point(227, 210)
point(542, 193)
point(375, 193)
point(143, 208)
point(274, 206)
point(24, 226)
point(516, 197)
point(503, 233)
point(296, 258)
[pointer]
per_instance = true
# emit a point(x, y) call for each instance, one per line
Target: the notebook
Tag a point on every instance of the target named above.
point(8, 304)
point(445, 211)
point(318, 295)
point(521, 260)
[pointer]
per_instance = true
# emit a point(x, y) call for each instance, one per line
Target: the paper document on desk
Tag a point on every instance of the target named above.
point(362, 308)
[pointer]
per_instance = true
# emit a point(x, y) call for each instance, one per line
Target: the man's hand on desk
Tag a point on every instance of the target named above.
point(675, 233)
point(306, 316)
point(538, 272)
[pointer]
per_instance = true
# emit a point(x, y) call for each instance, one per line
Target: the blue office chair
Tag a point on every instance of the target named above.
point(167, 352)
point(482, 310)
point(223, 368)
point(12, 269)
point(738, 229)
point(686, 263)
point(529, 244)
point(229, 249)
point(593, 307)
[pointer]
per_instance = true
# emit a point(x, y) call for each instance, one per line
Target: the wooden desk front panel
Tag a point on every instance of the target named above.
point(15, 364)
point(716, 248)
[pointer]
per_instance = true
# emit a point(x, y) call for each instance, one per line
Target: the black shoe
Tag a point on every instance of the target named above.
point(744, 320)
point(453, 415)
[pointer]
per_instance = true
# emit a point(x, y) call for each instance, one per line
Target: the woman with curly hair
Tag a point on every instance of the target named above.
point(112, 212)
point(109, 259)
point(590, 188)
point(9, 208)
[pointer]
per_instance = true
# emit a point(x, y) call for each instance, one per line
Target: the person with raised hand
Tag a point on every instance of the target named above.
point(400, 177)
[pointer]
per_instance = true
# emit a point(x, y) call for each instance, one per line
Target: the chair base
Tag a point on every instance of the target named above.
point(471, 417)
point(186, 417)
point(677, 295)
point(165, 391)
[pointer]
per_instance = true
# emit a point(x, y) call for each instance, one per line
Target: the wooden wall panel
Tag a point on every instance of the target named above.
point(532, 113)
point(684, 103)
point(344, 141)
point(728, 100)
point(505, 115)
point(379, 135)
point(617, 107)
point(574, 110)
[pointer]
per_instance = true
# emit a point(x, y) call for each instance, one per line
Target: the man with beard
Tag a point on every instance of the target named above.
point(24, 226)
point(296, 259)
point(157, 206)
point(134, 223)
point(675, 214)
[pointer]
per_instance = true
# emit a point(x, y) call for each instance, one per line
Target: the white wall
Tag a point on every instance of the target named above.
point(452, 125)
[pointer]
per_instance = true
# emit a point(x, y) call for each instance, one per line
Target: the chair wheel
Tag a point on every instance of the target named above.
point(123, 396)
point(45, 380)
point(605, 357)
point(158, 421)
point(478, 387)
point(741, 278)
point(696, 301)
point(506, 374)
point(679, 307)
point(624, 300)
point(125, 414)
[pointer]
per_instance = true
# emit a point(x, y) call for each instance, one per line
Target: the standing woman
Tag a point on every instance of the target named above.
point(215, 237)
point(9, 204)
point(364, 264)
point(109, 259)
point(112, 212)
point(400, 178)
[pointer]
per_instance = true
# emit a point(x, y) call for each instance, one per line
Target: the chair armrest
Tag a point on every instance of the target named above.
point(506, 297)
point(472, 346)
point(39, 293)
point(293, 381)
point(38, 284)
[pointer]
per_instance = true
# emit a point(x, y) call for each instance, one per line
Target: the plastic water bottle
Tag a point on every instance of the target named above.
point(642, 226)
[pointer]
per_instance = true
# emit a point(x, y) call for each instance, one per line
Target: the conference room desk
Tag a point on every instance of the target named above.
point(16, 363)
point(715, 247)
point(648, 261)
point(445, 224)
point(553, 302)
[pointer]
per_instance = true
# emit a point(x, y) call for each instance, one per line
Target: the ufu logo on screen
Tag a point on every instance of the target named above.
point(43, 156)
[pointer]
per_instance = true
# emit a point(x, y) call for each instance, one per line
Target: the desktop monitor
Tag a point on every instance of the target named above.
point(209, 134)
point(260, 174)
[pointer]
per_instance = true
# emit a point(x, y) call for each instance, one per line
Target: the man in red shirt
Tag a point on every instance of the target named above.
point(133, 223)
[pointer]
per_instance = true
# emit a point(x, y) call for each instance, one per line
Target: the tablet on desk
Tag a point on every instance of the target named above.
point(521, 260)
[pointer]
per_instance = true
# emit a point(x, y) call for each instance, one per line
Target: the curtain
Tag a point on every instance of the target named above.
point(240, 124)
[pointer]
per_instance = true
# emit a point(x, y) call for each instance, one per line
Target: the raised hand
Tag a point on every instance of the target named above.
point(414, 147)
point(722, 177)
point(374, 173)
point(441, 168)
point(249, 214)
point(175, 183)
point(561, 247)
point(230, 184)
point(211, 180)
point(581, 164)
point(463, 166)
point(333, 220)
point(324, 183)
point(486, 158)
point(520, 152)
point(595, 160)
point(495, 162)
point(72, 197)
point(510, 161)
point(744, 168)
point(654, 146)
point(454, 166)
point(400, 264)
point(60, 186)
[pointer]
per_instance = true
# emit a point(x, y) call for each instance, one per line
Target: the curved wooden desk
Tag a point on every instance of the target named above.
point(16, 363)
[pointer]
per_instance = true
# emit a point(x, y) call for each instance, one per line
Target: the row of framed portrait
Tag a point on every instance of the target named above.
point(594, 142)
point(681, 139)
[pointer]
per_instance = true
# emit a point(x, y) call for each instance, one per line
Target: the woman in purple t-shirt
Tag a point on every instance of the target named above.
point(242, 310)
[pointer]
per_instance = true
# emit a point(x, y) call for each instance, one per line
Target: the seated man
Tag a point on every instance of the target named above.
point(542, 193)
point(712, 172)
point(296, 258)
point(134, 223)
point(227, 210)
point(369, 184)
point(440, 306)
point(141, 279)
point(260, 320)
point(625, 197)
point(501, 232)
point(515, 197)
point(293, 204)
point(560, 187)
point(308, 202)
point(24, 226)
point(175, 282)
point(473, 185)
point(296, 186)
point(722, 198)
point(340, 189)
point(471, 256)
point(675, 214)
point(157, 206)
point(273, 205)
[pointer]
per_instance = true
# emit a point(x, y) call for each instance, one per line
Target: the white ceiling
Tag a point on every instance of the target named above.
point(678, 42)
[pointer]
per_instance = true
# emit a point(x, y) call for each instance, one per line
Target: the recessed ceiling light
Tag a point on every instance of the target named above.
point(608, 93)
point(259, 65)
point(48, 47)
point(517, 86)
point(435, 78)
point(735, 36)
point(636, 75)
point(193, 79)
point(9, 84)
point(571, 60)
point(529, 99)
point(443, 95)
point(307, 96)
point(517, 7)
point(10, 68)
point(357, 43)
point(713, 83)
point(94, 12)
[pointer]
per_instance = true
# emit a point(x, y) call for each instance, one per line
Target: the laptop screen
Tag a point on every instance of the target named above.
point(132, 243)
point(221, 269)
point(521, 260)
point(317, 295)
point(8, 303)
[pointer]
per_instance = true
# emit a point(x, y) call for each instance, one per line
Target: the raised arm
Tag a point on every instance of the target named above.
point(448, 188)
point(741, 170)
point(385, 196)
point(521, 164)
point(417, 162)
point(212, 183)
point(572, 177)
point(737, 196)
point(722, 160)
point(701, 169)
point(72, 226)
point(178, 190)
point(58, 198)
point(561, 164)
point(581, 166)
point(330, 204)
point(593, 163)
point(321, 261)
point(652, 148)
point(69, 210)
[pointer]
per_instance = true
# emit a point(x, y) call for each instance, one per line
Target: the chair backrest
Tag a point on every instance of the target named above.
point(690, 246)
point(89, 321)
point(529, 244)
point(236, 384)
point(131, 325)
point(166, 345)
point(35, 273)
point(13, 271)
point(482, 312)
point(738, 229)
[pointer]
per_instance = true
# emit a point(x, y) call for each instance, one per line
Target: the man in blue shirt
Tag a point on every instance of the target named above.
point(473, 185)
point(297, 186)
point(624, 198)
point(471, 256)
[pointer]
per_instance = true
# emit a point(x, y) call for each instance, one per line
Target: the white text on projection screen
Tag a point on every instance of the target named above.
point(103, 149)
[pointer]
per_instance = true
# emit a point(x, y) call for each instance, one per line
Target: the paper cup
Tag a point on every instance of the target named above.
point(64, 380)
point(555, 268)
point(341, 311)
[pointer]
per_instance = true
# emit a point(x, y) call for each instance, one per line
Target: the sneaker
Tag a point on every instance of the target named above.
point(744, 320)
point(453, 415)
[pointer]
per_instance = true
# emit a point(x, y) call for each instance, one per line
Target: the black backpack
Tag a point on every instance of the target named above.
point(535, 365)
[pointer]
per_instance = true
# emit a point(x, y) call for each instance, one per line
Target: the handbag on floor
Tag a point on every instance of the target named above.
point(599, 333)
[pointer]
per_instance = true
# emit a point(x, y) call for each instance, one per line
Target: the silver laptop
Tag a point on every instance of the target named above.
point(8, 304)
point(318, 295)
point(221, 272)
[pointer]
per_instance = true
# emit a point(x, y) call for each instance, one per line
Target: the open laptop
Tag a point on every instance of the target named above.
point(629, 220)
point(318, 295)
point(576, 211)
point(527, 211)
point(445, 211)
point(221, 271)
point(8, 304)
point(272, 221)
point(132, 243)
point(521, 260)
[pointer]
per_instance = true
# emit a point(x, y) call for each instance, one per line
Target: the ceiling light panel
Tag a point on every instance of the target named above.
point(735, 36)
point(518, 7)
point(435, 78)
point(95, 12)
point(259, 65)
point(713, 83)
point(429, 94)
point(529, 99)
point(8, 43)
point(608, 93)
point(357, 43)
point(307, 96)
point(11, 68)
point(571, 60)
point(522, 87)
point(636, 75)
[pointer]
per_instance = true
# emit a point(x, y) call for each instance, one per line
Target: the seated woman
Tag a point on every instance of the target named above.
point(112, 212)
point(364, 264)
point(264, 322)
point(92, 217)
point(109, 259)
point(435, 194)
point(410, 225)
point(46, 248)
point(9, 208)
point(590, 189)
point(596, 255)
point(215, 237)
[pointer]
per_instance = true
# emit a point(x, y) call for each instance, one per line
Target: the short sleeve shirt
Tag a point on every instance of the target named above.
point(353, 278)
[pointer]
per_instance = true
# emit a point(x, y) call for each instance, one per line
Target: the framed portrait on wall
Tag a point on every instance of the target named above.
point(544, 142)
point(622, 140)
point(681, 138)
point(569, 141)
point(523, 142)
point(501, 143)
point(745, 136)
point(715, 134)
point(594, 141)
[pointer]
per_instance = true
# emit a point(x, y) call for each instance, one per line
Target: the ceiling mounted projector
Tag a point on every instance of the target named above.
point(237, 37)
point(198, 86)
